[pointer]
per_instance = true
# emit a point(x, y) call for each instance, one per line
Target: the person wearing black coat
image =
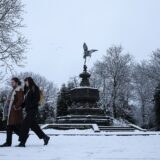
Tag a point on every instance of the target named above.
point(31, 103)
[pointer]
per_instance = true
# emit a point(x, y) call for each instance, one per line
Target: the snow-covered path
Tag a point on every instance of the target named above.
point(85, 148)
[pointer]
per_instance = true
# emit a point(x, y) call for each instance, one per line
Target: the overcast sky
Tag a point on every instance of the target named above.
point(56, 30)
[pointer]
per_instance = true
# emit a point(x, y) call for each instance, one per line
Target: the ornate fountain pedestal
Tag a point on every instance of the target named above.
point(84, 98)
point(85, 106)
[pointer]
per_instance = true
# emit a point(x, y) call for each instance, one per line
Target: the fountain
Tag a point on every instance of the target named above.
point(85, 106)
point(85, 111)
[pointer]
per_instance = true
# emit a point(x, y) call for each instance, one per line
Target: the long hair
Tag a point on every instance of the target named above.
point(32, 85)
point(16, 80)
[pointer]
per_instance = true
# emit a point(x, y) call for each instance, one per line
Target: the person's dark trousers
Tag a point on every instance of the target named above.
point(10, 130)
point(30, 122)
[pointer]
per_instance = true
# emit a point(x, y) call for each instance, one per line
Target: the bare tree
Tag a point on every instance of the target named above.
point(144, 87)
point(12, 43)
point(114, 72)
point(150, 79)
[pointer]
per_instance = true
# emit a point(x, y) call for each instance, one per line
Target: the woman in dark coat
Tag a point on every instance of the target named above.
point(13, 111)
point(31, 103)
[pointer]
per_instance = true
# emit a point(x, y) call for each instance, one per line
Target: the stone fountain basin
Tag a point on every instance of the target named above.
point(83, 94)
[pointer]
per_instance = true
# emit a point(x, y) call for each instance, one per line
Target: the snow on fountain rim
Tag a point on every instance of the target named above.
point(84, 87)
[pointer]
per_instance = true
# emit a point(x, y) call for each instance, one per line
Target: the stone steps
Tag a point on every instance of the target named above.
point(71, 126)
point(115, 129)
point(95, 127)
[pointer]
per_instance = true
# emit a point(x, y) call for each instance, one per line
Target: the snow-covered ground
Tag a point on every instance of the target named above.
point(85, 148)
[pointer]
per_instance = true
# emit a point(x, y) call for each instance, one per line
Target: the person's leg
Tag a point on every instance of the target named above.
point(24, 132)
point(38, 131)
point(9, 137)
point(17, 129)
point(30, 122)
point(9, 134)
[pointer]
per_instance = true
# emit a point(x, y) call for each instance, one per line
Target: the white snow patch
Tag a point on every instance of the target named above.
point(85, 148)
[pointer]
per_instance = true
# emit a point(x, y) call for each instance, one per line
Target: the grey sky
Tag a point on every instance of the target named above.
point(57, 29)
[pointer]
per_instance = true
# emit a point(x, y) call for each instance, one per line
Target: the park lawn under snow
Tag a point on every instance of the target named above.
point(85, 148)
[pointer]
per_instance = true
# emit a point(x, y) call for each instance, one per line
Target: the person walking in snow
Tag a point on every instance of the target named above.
point(31, 103)
point(13, 111)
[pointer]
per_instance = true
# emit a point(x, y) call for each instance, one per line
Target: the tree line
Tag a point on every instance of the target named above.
point(128, 90)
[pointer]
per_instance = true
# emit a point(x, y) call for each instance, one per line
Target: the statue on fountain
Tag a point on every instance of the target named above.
point(87, 53)
point(85, 75)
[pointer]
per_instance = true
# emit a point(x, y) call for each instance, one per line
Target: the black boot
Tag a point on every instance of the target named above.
point(21, 145)
point(5, 145)
point(46, 140)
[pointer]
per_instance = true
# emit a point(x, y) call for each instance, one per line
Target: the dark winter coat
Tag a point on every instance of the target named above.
point(32, 99)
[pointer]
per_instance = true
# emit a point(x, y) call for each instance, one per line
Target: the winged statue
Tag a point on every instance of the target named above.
point(87, 53)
